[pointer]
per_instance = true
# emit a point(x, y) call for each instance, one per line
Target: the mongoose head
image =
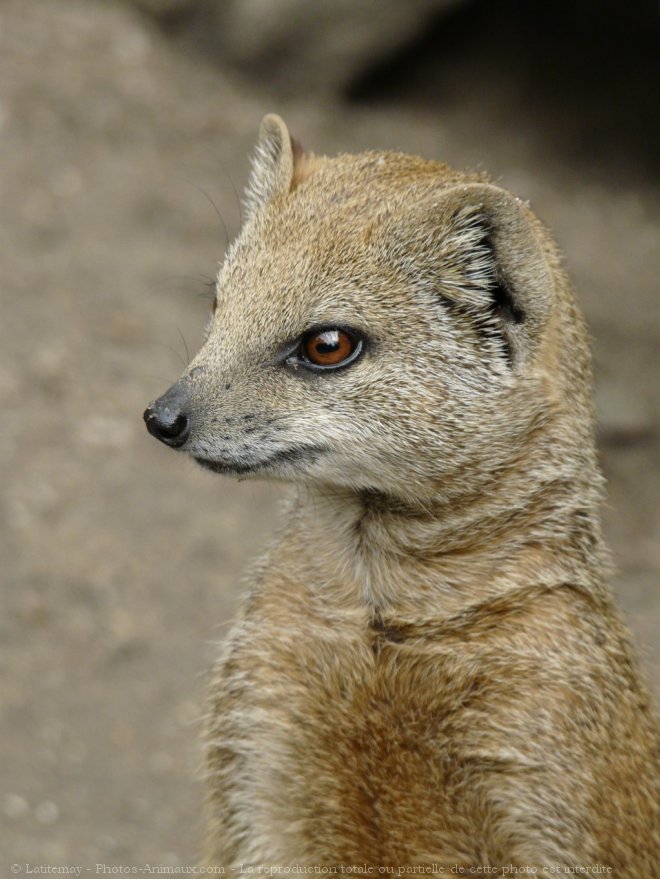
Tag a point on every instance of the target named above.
point(382, 323)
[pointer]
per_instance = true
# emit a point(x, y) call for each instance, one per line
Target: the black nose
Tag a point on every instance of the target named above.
point(166, 421)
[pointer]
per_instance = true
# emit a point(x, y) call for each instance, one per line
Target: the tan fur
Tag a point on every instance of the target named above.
point(428, 668)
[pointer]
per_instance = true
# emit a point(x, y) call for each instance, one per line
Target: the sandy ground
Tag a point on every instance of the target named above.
point(121, 562)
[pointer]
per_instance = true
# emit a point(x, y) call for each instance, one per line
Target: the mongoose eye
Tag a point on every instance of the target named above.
point(330, 347)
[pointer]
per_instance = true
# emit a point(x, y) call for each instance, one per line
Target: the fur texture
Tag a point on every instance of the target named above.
point(428, 668)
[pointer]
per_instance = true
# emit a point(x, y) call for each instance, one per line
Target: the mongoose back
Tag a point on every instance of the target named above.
point(428, 672)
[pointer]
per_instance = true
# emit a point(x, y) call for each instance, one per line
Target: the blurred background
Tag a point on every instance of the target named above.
point(125, 130)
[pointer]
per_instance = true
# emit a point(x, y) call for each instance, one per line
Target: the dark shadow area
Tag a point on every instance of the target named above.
point(584, 77)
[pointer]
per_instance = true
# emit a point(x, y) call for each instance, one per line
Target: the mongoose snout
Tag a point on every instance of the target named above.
point(167, 419)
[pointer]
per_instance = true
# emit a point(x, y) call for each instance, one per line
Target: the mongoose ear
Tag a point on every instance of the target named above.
point(272, 165)
point(492, 265)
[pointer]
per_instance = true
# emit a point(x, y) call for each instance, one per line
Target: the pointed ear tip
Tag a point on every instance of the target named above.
point(272, 124)
point(487, 189)
point(494, 198)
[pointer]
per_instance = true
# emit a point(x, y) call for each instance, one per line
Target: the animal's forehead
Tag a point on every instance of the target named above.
point(284, 285)
point(311, 256)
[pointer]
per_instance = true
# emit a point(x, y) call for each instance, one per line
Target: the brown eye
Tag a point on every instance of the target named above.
point(214, 305)
point(330, 347)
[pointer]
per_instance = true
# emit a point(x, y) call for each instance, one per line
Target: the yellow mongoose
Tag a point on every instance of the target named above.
point(428, 672)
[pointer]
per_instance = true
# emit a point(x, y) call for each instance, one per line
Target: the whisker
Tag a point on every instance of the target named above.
point(168, 348)
point(217, 212)
point(224, 170)
point(185, 345)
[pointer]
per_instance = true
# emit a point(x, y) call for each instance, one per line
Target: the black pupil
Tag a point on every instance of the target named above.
point(327, 343)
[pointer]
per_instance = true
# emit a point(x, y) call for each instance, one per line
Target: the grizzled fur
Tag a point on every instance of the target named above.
point(428, 668)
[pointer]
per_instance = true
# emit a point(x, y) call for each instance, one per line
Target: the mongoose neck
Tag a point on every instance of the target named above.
point(440, 555)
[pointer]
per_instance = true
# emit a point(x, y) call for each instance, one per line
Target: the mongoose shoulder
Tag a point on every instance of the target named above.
point(428, 668)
